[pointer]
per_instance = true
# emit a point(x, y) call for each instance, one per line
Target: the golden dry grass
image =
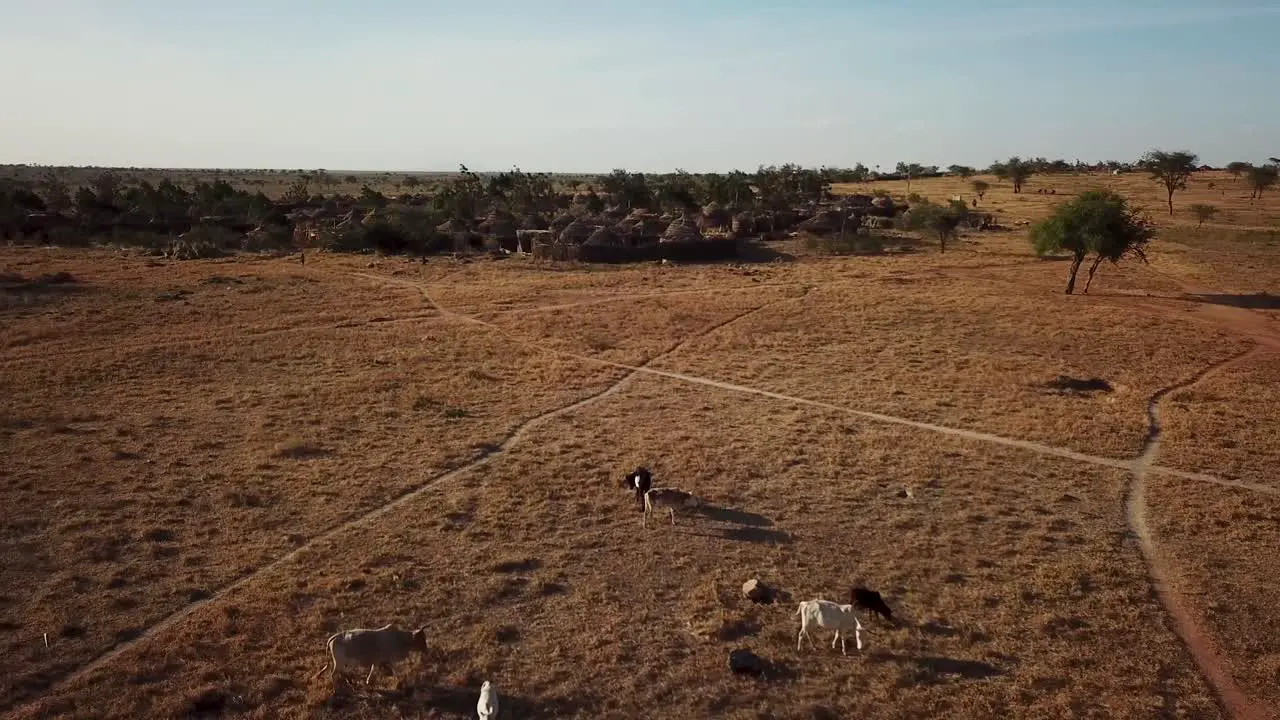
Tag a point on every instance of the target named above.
point(1225, 545)
point(1227, 424)
point(171, 427)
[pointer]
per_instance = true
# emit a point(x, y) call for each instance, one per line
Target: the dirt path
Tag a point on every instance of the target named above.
point(1202, 647)
point(1031, 446)
point(433, 316)
point(369, 516)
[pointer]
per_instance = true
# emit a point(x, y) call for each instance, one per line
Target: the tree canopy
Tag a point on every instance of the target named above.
point(1260, 178)
point(1098, 223)
point(1170, 168)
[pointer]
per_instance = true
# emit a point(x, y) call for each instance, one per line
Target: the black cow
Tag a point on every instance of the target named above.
point(870, 600)
point(639, 481)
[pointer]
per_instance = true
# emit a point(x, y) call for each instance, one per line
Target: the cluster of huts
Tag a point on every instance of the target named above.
point(619, 235)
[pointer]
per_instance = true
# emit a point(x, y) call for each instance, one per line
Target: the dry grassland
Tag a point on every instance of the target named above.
point(1227, 424)
point(1013, 573)
point(1225, 544)
point(188, 450)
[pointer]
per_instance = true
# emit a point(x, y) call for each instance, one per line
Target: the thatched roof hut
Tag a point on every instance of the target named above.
point(575, 233)
point(824, 222)
point(453, 226)
point(682, 230)
point(561, 221)
point(743, 224)
point(714, 216)
point(499, 225)
point(605, 237)
point(534, 221)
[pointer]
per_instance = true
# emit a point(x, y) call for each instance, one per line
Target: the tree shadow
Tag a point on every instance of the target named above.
point(755, 252)
point(1255, 301)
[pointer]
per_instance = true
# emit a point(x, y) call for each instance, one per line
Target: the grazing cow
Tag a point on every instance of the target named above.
point(870, 600)
point(487, 705)
point(639, 481)
point(372, 647)
point(831, 616)
point(666, 499)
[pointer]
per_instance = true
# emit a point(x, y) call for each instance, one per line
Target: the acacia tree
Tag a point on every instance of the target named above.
point(1172, 169)
point(1238, 168)
point(964, 171)
point(910, 170)
point(980, 187)
point(942, 221)
point(1098, 222)
point(1262, 177)
point(1018, 171)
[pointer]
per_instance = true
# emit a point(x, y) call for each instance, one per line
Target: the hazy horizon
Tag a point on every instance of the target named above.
point(582, 88)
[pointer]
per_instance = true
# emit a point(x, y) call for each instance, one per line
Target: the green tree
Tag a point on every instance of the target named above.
point(910, 170)
point(630, 190)
point(1172, 169)
point(1098, 222)
point(942, 221)
point(1238, 168)
point(1260, 178)
point(964, 171)
point(980, 187)
point(106, 185)
point(1018, 172)
point(299, 191)
point(57, 194)
point(1203, 212)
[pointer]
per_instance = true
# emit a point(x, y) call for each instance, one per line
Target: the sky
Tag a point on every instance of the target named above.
point(588, 86)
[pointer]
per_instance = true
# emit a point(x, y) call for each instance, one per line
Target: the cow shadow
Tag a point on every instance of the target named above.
point(934, 668)
point(736, 525)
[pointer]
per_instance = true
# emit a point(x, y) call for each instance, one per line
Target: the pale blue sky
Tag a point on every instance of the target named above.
point(586, 86)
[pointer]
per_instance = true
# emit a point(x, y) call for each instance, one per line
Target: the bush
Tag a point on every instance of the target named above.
point(1203, 212)
point(184, 248)
point(856, 242)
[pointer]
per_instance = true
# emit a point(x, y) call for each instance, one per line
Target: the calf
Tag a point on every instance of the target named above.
point(870, 600)
point(831, 616)
point(666, 499)
point(373, 647)
point(638, 482)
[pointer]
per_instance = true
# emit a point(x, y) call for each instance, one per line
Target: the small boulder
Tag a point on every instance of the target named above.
point(757, 592)
point(744, 662)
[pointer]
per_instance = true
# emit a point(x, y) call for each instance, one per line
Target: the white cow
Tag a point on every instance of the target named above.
point(487, 705)
point(831, 616)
